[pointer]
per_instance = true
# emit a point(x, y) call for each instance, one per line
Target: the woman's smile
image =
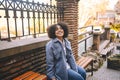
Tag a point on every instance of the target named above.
point(59, 32)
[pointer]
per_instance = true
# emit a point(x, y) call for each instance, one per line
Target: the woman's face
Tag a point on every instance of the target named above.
point(59, 32)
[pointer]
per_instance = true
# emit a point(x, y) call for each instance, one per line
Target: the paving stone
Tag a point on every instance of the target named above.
point(105, 73)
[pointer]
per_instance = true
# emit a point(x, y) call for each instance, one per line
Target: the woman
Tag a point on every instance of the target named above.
point(59, 57)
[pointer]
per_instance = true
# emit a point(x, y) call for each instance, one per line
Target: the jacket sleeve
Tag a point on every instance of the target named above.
point(73, 63)
point(50, 62)
point(71, 59)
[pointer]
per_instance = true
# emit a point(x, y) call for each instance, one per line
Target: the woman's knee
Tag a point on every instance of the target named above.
point(72, 75)
point(82, 72)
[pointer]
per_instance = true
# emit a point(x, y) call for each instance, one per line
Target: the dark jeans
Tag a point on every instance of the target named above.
point(80, 75)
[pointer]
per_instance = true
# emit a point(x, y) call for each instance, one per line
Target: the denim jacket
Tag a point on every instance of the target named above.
point(56, 63)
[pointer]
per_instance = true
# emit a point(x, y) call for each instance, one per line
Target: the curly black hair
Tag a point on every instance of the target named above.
point(51, 30)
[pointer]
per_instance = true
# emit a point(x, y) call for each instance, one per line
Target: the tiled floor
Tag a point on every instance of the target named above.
point(105, 73)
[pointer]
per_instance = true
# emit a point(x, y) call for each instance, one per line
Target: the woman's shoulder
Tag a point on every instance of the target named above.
point(49, 43)
point(66, 40)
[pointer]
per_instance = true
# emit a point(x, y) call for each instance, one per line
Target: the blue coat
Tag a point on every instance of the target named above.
point(56, 62)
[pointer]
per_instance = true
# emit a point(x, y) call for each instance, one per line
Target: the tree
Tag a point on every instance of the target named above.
point(89, 8)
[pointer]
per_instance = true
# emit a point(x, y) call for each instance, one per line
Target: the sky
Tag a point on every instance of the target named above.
point(112, 3)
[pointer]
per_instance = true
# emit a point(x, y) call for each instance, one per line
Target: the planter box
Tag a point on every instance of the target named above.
point(113, 62)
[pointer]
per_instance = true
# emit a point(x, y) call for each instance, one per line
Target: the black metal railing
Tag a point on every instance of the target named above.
point(85, 39)
point(20, 18)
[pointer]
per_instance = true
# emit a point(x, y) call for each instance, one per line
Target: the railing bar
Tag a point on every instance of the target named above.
point(0, 35)
point(85, 33)
point(47, 11)
point(51, 13)
point(85, 44)
point(85, 38)
point(43, 21)
point(16, 26)
point(22, 22)
point(8, 29)
point(57, 15)
point(51, 17)
point(39, 20)
point(15, 19)
point(22, 16)
point(28, 17)
point(60, 14)
point(54, 16)
point(85, 27)
point(33, 11)
point(47, 18)
point(7, 18)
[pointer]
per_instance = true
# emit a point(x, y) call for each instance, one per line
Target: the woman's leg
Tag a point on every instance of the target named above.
point(73, 75)
point(82, 72)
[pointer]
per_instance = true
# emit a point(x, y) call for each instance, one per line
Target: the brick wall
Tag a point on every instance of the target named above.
point(71, 18)
point(15, 65)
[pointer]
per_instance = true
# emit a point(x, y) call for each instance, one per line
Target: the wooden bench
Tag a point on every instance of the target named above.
point(30, 75)
point(103, 45)
point(85, 61)
point(105, 52)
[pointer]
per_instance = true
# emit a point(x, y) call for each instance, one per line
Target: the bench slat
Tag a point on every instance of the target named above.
point(87, 63)
point(80, 60)
point(32, 76)
point(83, 61)
point(25, 75)
point(41, 77)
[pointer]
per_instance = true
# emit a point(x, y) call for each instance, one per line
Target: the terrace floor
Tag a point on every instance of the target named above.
point(105, 73)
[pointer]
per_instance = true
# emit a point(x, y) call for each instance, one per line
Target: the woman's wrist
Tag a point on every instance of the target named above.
point(53, 78)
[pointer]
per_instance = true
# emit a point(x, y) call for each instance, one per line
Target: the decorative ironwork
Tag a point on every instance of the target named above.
point(24, 18)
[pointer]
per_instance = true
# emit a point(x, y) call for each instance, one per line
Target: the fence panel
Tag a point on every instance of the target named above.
point(89, 42)
point(85, 39)
point(81, 48)
point(23, 18)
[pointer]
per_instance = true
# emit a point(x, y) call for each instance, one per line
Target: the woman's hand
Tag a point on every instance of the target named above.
point(54, 79)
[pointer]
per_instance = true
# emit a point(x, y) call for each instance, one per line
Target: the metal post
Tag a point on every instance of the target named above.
point(7, 19)
point(85, 45)
point(50, 2)
point(92, 68)
point(0, 35)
